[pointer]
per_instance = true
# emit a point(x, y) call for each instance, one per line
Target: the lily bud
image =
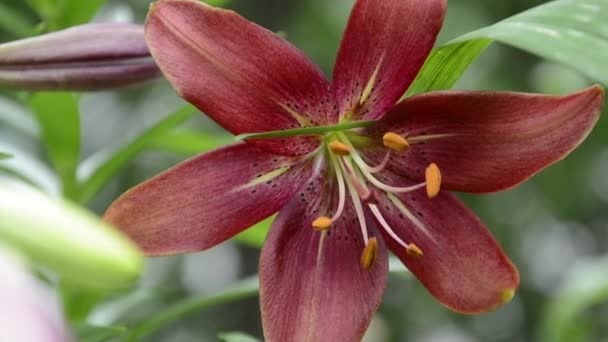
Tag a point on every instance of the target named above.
point(86, 57)
point(84, 251)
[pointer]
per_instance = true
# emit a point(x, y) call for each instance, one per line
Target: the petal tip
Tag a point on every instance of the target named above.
point(507, 295)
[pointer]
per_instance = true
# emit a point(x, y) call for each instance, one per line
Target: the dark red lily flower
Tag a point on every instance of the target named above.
point(363, 189)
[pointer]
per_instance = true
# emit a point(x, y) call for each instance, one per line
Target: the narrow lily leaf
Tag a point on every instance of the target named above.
point(92, 333)
point(256, 235)
point(236, 337)
point(567, 31)
point(5, 156)
point(102, 167)
point(216, 3)
point(445, 66)
point(586, 286)
point(29, 169)
point(246, 288)
point(84, 251)
point(18, 117)
point(14, 22)
point(59, 120)
point(188, 142)
point(59, 14)
point(570, 32)
point(76, 12)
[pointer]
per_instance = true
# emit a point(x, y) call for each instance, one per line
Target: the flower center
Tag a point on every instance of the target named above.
point(354, 174)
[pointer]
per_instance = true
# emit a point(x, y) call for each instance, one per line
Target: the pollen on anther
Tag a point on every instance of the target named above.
point(339, 148)
point(322, 223)
point(433, 180)
point(370, 254)
point(414, 251)
point(395, 142)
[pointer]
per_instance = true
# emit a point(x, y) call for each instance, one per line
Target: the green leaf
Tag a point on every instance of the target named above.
point(216, 3)
point(84, 251)
point(586, 286)
point(59, 120)
point(246, 288)
point(236, 337)
point(92, 333)
point(567, 31)
point(14, 22)
point(256, 235)
point(76, 12)
point(571, 32)
point(102, 167)
point(59, 14)
point(445, 65)
point(5, 156)
point(188, 142)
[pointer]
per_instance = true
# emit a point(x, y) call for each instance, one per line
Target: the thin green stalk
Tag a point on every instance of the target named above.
point(305, 131)
point(189, 306)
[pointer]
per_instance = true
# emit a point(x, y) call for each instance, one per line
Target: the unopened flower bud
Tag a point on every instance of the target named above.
point(86, 57)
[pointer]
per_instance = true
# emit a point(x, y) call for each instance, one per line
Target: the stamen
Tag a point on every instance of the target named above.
point(364, 169)
point(322, 223)
point(363, 192)
point(356, 201)
point(385, 225)
point(339, 148)
point(341, 191)
point(382, 165)
point(395, 142)
point(414, 251)
point(411, 249)
point(370, 253)
point(433, 180)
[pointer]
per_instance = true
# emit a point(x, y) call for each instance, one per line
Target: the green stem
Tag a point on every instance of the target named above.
point(245, 289)
point(305, 130)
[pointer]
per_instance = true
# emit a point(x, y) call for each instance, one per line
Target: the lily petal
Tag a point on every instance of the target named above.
point(462, 265)
point(488, 142)
point(384, 47)
point(245, 77)
point(207, 199)
point(29, 311)
point(314, 288)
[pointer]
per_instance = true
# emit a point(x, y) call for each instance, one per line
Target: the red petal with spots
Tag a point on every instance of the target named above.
point(498, 139)
point(245, 77)
point(207, 199)
point(310, 295)
point(463, 266)
point(393, 37)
